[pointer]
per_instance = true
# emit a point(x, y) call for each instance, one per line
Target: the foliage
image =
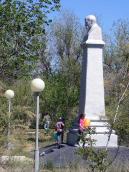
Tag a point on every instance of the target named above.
point(121, 124)
point(27, 50)
point(22, 112)
point(22, 35)
point(59, 97)
point(24, 49)
point(65, 37)
point(116, 78)
point(96, 158)
point(64, 80)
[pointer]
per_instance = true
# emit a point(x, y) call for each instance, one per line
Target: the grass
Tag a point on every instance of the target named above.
point(24, 167)
point(24, 143)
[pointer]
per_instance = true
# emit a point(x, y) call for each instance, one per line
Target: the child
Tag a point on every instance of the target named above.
point(59, 129)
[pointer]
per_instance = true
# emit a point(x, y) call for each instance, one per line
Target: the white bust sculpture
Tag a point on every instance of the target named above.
point(93, 31)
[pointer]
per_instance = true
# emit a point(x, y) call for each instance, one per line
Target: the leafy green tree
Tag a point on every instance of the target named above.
point(22, 35)
point(116, 78)
point(58, 99)
point(62, 85)
point(66, 35)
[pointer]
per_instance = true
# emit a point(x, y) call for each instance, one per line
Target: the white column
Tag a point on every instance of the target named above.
point(92, 84)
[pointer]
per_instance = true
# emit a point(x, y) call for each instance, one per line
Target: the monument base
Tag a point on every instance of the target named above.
point(101, 136)
point(102, 139)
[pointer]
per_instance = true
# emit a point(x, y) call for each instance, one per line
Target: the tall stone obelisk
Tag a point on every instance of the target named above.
point(92, 102)
point(92, 85)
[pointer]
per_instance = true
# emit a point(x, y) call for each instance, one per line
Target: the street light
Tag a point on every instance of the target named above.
point(9, 94)
point(37, 85)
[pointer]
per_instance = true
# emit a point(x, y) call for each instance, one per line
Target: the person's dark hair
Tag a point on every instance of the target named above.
point(63, 119)
point(82, 115)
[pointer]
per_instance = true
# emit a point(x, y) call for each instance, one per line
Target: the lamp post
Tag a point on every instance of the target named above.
point(37, 85)
point(9, 94)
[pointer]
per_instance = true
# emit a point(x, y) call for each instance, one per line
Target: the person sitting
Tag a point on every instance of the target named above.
point(81, 123)
point(81, 128)
point(84, 124)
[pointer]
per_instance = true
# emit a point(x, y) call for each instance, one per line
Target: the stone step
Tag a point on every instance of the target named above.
point(102, 139)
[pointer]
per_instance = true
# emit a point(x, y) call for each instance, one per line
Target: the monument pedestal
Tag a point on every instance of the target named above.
point(101, 136)
point(92, 101)
point(102, 133)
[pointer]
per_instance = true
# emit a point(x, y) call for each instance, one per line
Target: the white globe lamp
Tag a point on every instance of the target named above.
point(9, 94)
point(37, 85)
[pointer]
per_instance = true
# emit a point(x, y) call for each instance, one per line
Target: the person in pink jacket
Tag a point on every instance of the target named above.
point(81, 123)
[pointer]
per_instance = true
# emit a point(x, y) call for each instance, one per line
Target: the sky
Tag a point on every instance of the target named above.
point(108, 11)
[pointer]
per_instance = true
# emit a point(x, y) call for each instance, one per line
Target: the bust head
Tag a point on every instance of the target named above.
point(90, 20)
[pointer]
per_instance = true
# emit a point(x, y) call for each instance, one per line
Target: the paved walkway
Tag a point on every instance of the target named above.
point(64, 156)
point(67, 155)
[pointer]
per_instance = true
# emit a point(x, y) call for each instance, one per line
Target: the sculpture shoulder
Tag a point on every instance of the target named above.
point(95, 33)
